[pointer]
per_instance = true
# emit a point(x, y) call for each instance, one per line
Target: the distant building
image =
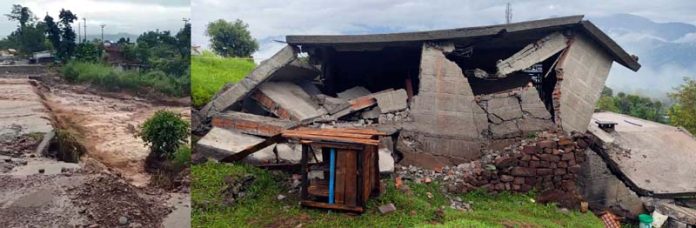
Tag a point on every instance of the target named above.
point(115, 57)
point(41, 57)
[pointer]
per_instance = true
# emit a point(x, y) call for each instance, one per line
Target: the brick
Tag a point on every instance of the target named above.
point(568, 156)
point(504, 162)
point(519, 180)
point(575, 169)
point(506, 178)
point(529, 149)
point(549, 157)
point(559, 171)
point(525, 172)
point(564, 141)
point(546, 144)
point(544, 171)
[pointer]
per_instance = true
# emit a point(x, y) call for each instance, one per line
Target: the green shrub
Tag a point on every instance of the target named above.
point(182, 157)
point(113, 79)
point(164, 132)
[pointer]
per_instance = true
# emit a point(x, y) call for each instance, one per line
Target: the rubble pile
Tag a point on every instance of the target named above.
point(549, 161)
point(108, 200)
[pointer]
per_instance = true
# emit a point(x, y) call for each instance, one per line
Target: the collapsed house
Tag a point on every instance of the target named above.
point(443, 97)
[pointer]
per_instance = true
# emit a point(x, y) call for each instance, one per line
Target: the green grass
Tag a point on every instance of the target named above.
point(262, 209)
point(112, 79)
point(209, 73)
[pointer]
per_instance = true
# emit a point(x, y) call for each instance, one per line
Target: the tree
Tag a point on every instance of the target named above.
point(22, 14)
point(683, 112)
point(87, 52)
point(29, 36)
point(633, 105)
point(67, 43)
point(184, 41)
point(231, 39)
point(52, 31)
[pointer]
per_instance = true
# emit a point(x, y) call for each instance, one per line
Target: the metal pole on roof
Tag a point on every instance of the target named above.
point(508, 13)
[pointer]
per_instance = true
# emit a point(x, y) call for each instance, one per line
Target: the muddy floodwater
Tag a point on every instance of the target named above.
point(108, 126)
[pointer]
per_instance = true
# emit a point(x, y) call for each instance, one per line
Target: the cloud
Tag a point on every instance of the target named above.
point(128, 16)
point(277, 18)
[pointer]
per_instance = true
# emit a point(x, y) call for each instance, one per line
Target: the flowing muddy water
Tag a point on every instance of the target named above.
point(108, 126)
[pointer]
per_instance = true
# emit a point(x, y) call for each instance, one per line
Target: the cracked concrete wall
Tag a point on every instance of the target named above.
point(447, 120)
point(583, 72)
point(515, 113)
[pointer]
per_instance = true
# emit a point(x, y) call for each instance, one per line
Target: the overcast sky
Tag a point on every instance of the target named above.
point(269, 20)
point(127, 16)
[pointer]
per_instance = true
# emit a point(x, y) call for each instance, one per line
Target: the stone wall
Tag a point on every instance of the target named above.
point(581, 73)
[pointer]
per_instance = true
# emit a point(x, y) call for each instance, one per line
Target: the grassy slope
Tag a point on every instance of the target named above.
point(263, 209)
point(209, 73)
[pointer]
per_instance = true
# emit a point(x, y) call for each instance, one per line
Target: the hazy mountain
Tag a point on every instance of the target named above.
point(667, 52)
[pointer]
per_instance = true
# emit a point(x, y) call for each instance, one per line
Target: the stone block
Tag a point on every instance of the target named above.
point(392, 101)
point(523, 172)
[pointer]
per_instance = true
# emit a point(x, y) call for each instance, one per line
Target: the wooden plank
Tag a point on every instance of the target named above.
point(332, 138)
point(351, 186)
point(341, 207)
point(362, 102)
point(341, 158)
point(321, 132)
point(318, 188)
point(365, 131)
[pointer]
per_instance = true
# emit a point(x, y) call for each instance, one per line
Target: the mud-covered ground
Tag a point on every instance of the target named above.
point(108, 187)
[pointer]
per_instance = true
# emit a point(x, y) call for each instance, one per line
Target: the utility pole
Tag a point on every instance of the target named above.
point(79, 33)
point(508, 13)
point(102, 30)
point(85, 30)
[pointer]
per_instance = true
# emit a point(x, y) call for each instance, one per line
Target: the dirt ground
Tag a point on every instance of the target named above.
point(108, 187)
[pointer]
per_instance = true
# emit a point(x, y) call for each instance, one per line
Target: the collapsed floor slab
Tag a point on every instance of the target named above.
point(654, 159)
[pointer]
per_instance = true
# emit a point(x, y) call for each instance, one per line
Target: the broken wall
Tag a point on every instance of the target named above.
point(582, 73)
point(446, 118)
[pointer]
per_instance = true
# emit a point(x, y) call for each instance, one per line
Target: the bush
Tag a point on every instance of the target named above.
point(164, 132)
point(113, 79)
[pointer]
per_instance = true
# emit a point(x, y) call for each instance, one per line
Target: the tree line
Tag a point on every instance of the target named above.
point(682, 113)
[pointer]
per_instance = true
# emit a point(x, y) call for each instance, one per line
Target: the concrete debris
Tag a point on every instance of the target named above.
point(680, 214)
point(251, 124)
point(353, 93)
point(386, 161)
point(287, 101)
point(387, 208)
point(531, 104)
point(289, 153)
point(533, 53)
point(331, 104)
point(220, 143)
point(372, 113)
point(392, 101)
point(505, 108)
point(229, 97)
point(477, 73)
